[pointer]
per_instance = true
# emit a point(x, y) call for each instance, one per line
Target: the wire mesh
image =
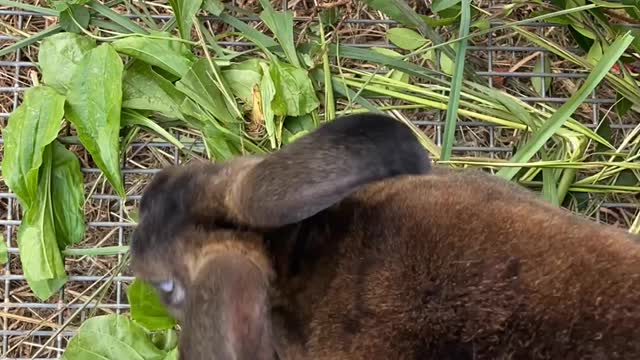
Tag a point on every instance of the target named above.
point(106, 214)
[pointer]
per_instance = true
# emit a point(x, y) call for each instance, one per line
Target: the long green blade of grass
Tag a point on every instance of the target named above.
point(117, 18)
point(456, 83)
point(610, 57)
point(31, 39)
point(29, 7)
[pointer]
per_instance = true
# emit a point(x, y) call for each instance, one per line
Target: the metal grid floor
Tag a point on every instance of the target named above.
point(107, 224)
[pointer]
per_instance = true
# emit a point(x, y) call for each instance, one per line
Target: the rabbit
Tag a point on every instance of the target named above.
point(349, 244)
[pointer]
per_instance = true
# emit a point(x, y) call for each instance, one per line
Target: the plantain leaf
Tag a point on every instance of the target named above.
point(32, 126)
point(146, 307)
point(295, 94)
point(145, 89)
point(40, 256)
point(185, 10)
point(94, 102)
point(199, 85)
point(112, 337)
point(59, 56)
point(172, 56)
point(67, 196)
point(242, 77)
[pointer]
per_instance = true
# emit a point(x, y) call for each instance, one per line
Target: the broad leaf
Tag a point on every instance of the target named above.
point(199, 84)
point(172, 56)
point(32, 126)
point(40, 256)
point(130, 117)
point(406, 38)
point(146, 307)
point(184, 11)
point(67, 196)
point(59, 56)
point(295, 94)
point(440, 5)
point(112, 337)
point(94, 102)
point(145, 89)
point(281, 24)
point(72, 14)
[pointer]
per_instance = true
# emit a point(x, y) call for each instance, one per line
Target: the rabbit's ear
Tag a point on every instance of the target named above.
point(322, 168)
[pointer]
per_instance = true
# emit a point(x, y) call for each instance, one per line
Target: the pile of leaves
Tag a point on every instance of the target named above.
point(256, 101)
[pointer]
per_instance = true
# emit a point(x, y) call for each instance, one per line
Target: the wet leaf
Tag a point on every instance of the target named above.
point(145, 89)
point(112, 337)
point(94, 102)
point(67, 196)
point(32, 126)
point(146, 307)
point(172, 56)
point(59, 56)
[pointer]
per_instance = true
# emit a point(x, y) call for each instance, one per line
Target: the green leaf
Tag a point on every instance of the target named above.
point(218, 143)
point(4, 251)
point(145, 89)
point(184, 11)
point(134, 118)
point(39, 253)
point(242, 77)
point(541, 84)
point(147, 308)
point(555, 122)
point(172, 56)
point(398, 10)
point(595, 53)
point(32, 126)
point(215, 7)
point(456, 83)
point(67, 196)
point(94, 102)
point(440, 5)
point(199, 85)
point(112, 337)
point(172, 355)
point(59, 56)
point(295, 94)
point(69, 13)
point(281, 24)
point(406, 38)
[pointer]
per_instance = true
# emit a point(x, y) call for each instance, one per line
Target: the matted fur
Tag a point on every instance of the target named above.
point(404, 264)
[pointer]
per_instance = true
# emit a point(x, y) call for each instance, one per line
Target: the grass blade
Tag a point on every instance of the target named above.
point(29, 7)
point(31, 39)
point(456, 83)
point(117, 18)
point(610, 57)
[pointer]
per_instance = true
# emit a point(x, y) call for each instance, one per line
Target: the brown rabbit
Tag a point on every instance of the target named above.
point(346, 245)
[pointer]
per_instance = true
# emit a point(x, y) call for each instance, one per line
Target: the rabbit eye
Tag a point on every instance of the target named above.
point(170, 291)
